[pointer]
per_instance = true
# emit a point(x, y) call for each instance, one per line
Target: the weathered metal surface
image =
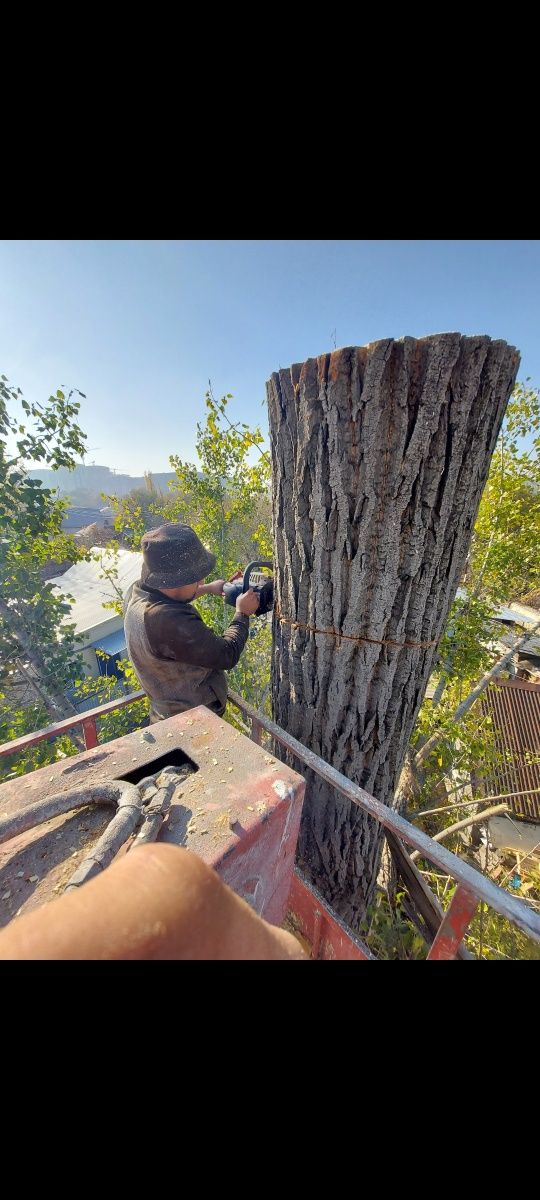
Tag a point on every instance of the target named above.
point(90, 732)
point(514, 707)
point(315, 921)
point(508, 906)
point(424, 903)
point(456, 921)
point(240, 811)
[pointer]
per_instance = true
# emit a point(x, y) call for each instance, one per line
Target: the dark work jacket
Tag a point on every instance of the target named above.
point(179, 660)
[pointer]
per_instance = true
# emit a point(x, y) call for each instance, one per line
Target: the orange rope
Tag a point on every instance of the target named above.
point(349, 637)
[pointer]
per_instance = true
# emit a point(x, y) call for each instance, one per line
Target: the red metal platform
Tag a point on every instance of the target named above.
point(239, 811)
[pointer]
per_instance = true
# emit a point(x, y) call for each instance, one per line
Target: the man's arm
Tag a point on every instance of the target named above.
point(184, 637)
point(215, 588)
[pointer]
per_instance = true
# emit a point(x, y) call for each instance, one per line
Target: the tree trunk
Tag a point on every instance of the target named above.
point(380, 454)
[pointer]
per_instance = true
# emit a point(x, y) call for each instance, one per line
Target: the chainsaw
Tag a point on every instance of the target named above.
point(263, 585)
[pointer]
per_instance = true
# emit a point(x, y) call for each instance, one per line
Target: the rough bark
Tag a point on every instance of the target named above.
point(380, 454)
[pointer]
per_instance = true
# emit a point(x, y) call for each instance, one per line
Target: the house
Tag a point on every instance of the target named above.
point(79, 518)
point(513, 619)
point(88, 588)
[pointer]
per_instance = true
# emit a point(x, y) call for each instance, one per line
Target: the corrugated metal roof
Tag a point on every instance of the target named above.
point(514, 707)
point(531, 646)
point(519, 615)
point(77, 518)
point(83, 581)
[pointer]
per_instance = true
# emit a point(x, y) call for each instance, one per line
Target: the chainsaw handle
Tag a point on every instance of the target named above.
point(257, 562)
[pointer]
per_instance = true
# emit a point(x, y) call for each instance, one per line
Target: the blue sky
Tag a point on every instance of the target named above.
point(141, 326)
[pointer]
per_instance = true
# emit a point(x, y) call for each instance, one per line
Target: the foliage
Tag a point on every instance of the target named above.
point(134, 514)
point(107, 558)
point(225, 499)
point(389, 933)
point(34, 629)
point(222, 501)
point(31, 517)
point(504, 562)
point(106, 688)
point(15, 723)
point(492, 937)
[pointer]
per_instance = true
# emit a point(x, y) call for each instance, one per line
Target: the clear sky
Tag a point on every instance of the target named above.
point(140, 326)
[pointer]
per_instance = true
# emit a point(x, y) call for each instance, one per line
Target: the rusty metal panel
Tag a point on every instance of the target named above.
point(457, 919)
point(514, 707)
point(239, 810)
point(90, 733)
point(309, 915)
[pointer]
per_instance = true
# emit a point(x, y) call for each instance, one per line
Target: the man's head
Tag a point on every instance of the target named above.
point(175, 561)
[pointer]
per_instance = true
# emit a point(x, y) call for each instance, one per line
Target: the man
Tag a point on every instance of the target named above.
point(180, 662)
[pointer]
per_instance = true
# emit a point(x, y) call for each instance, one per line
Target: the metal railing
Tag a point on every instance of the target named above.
point(86, 719)
point(472, 887)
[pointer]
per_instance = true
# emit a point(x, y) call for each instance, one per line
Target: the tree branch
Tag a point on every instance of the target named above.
point(466, 704)
point(486, 812)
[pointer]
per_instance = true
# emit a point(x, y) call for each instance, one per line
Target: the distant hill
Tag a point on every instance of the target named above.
point(85, 485)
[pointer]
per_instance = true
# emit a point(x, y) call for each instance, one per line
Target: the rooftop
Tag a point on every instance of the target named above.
point(85, 583)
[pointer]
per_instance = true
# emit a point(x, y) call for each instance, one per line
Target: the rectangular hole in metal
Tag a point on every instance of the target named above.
point(175, 758)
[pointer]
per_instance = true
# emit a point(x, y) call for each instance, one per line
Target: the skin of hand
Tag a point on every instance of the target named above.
point(157, 902)
point(247, 603)
point(215, 588)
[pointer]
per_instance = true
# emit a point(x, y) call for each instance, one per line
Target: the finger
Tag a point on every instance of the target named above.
point(159, 902)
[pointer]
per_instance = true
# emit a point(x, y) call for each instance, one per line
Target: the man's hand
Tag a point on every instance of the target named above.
point(211, 589)
point(158, 902)
point(247, 603)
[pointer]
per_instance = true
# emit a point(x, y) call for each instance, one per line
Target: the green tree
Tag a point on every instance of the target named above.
point(453, 739)
point(225, 498)
point(36, 639)
point(504, 562)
